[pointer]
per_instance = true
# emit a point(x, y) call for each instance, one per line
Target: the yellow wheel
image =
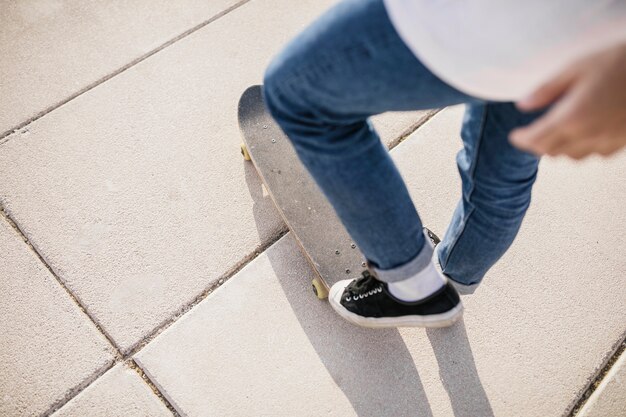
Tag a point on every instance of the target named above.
point(319, 289)
point(244, 152)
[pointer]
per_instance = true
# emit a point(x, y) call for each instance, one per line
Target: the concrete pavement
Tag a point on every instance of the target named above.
point(49, 349)
point(609, 398)
point(137, 207)
point(521, 337)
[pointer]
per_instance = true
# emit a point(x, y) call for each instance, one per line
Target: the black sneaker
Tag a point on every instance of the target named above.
point(367, 302)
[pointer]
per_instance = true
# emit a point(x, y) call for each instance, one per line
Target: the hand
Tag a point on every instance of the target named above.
point(589, 114)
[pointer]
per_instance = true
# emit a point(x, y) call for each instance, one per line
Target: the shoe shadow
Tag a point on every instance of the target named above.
point(373, 367)
point(457, 371)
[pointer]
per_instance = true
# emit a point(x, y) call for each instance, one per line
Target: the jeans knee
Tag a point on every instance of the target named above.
point(308, 114)
point(291, 102)
point(504, 206)
point(283, 97)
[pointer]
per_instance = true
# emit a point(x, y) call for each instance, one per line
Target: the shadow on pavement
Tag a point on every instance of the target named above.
point(457, 371)
point(263, 208)
point(373, 367)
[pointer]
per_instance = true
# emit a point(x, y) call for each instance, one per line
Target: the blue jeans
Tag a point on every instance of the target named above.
point(351, 64)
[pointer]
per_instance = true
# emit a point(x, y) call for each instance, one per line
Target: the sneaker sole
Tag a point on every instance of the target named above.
point(431, 321)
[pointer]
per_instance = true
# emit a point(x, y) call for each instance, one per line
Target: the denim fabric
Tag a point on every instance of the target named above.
point(351, 64)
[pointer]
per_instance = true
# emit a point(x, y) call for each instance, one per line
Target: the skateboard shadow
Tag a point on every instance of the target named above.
point(374, 367)
point(263, 209)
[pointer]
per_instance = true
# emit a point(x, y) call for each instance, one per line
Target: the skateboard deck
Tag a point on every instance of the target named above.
point(306, 211)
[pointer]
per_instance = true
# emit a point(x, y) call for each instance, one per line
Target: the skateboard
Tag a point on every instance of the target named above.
point(309, 216)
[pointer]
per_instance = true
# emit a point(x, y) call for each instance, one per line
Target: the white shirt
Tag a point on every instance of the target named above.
point(504, 49)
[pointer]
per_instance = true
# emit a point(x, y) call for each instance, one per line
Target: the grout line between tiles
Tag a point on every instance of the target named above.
point(404, 135)
point(136, 363)
point(74, 298)
point(73, 392)
point(133, 350)
point(595, 382)
point(158, 391)
point(5, 134)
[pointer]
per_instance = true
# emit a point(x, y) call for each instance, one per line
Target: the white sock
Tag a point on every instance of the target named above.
point(419, 286)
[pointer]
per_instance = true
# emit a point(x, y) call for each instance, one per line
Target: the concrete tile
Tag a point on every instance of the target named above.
point(262, 342)
point(244, 349)
point(48, 347)
point(53, 49)
point(135, 192)
point(118, 393)
point(609, 398)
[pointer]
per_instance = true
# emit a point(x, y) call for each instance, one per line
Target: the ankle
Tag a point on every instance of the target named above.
point(419, 286)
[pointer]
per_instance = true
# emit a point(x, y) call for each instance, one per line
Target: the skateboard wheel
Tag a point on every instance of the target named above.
point(244, 152)
point(319, 289)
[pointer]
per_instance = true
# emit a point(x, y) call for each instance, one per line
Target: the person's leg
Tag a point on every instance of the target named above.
point(321, 89)
point(350, 64)
point(497, 181)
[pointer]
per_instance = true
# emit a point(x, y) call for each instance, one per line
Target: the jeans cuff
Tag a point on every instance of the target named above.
point(463, 289)
point(409, 269)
